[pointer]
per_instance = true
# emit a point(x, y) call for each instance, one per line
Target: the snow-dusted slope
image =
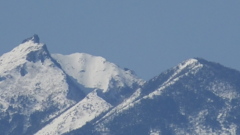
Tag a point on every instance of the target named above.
point(196, 97)
point(96, 72)
point(188, 67)
point(77, 116)
point(191, 66)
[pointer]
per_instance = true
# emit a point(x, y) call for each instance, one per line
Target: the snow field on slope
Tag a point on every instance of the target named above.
point(77, 116)
point(94, 71)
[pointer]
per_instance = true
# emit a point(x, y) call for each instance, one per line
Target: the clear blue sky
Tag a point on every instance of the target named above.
point(145, 36)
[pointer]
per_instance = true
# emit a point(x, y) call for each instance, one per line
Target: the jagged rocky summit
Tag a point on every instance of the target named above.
point(78, 94)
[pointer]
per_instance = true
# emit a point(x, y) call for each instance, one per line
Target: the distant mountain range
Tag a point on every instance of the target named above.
point(80, 94)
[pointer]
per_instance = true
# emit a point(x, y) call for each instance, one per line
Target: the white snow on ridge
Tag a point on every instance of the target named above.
point(77, 116)
point(126, 104)
point(94, 71)
point(18, 55)
point(192, 64)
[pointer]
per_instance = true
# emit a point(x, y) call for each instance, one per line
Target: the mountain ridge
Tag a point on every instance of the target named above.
point(43, 93)
point(184, 103)
point(34, 84)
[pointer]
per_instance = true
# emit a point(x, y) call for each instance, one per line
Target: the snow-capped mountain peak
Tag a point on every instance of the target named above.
point(192, 63)
point(28, 51)
point(43, 93)
point(34, 39)
point(29, 62)
point(31, 83)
